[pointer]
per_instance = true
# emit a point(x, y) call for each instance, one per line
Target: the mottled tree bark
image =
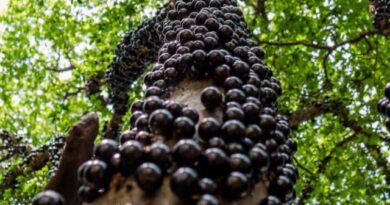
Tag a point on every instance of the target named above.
point(78, 149)
point(125, 191)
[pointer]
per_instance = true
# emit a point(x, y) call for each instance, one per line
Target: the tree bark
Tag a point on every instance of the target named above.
point(124, 191)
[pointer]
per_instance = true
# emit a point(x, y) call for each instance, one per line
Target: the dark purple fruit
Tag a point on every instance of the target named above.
point(134, 116)
point(214, 162)
point(137, 105)
point(221, 73)
point(217, 142)
point(240, 162)
point(185, 35)
point(127, 135)
point(234, 147)
point(149, 177)
point(387, 90)
point(160, 121)
point(184, 182)
point(234, 113)
point(250, 90)
point(209, 127)
point(191, 113)
point(207, 199)
point(160, 154)
point(152, 103)
point(254, 132)
point(211, 98)
point(212, 24)
point(142, 122)
point(259, 158)
point(131, 155)
point(96, 173)
point(271, 200)
point(106, 149)
point(215, 57)
point(235, 95)
point(87, 193)
point(199, 57)
point(232, 82)
point(237, 184)
point(144, 137)
point(48, 198)
point(267, 122)
point(280, 186)
point(186, 152)
point(241, 69)
point(233, 130)
point(207, 186)
point(173, 107)
point(225, 32)
point(183, 127)
point(153, 91)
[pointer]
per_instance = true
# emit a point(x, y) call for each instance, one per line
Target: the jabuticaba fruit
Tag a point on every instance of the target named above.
point(381, 13)
point(383, 106)
point(214, 141)
point(48, 198)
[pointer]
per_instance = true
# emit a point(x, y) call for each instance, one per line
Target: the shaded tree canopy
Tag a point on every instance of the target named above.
point(333, 65)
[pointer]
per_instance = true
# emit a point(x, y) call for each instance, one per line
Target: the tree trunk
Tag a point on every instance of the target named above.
point(124, 191)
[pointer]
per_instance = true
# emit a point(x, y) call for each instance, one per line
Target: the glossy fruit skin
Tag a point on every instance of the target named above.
point(48, 198)
point(160, 121)
point(271, 200)
point(149, 177)
point(190, 113)
point(208, 127)
point(233, 130)
point(160, 154)
point(207, 186)
point(183, 127)
point(96, 173)
point(387, 90)
point(131, 155)
point(211, 98)
point(207, 199)
point(236, 184)
point(184, 182)
point(106, 149)
point(214, 162)
point(186, 152)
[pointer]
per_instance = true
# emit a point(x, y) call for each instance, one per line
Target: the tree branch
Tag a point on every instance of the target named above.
point(308, 189)
point(299, 116)
point(60, 70)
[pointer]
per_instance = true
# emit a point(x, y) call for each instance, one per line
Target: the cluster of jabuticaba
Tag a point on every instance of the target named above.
point(384, 106)
point(208, 130)
point(381, 13)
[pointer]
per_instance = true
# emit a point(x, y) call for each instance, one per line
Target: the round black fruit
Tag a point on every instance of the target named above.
point(184, 182)
point(160, 121)
point(149, 177)
point(209, 127)
point(207, 199)
point(48, 198)
point(211, 98)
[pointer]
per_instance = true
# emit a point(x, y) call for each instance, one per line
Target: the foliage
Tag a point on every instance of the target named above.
point(49, 50)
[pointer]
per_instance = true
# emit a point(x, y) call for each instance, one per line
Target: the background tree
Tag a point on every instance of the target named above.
point(331, 62)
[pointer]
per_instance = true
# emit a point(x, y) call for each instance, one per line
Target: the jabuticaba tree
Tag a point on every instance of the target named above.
point(208, 130)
